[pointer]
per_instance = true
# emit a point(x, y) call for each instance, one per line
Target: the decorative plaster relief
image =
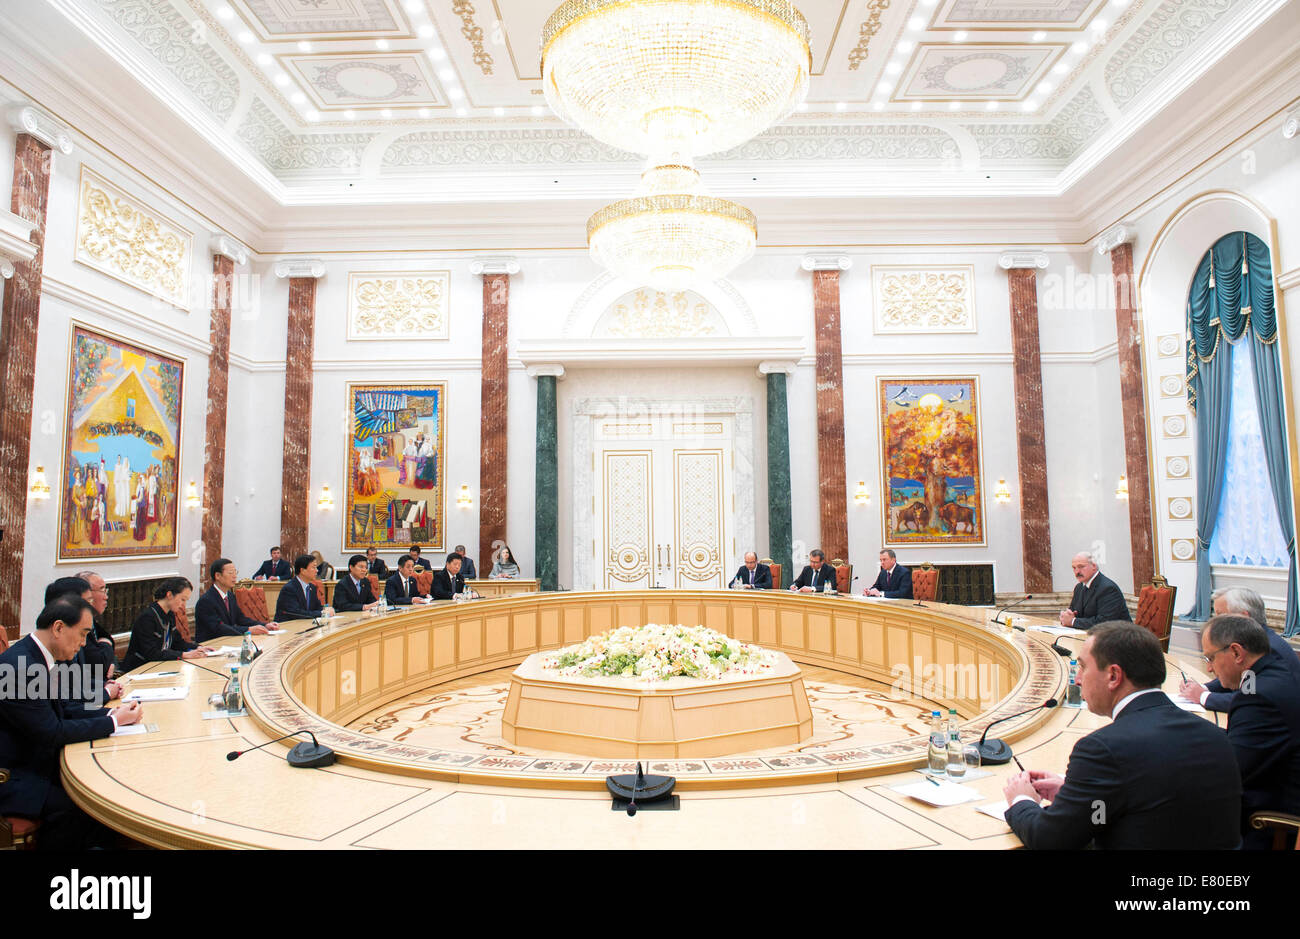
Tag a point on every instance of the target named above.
point(653, 314)
point(473, 34)
point(398, 305)
point(1175, 425)
point(923, 299)
point(1069, 132)
point(1180, 507)
point(1160, 40)
point(280, 18)
point(346, 80)
point(287, 154)
point(945, 72)
point(1172, 386)
point(1183, 549)
point(875, 9)
point(1170, 346)
point(1015, 14)
point(121, 237)
point(1177, 467)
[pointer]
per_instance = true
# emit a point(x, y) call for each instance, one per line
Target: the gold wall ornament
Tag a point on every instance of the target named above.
point(398, 305)
point(473, 34)
point(924, 299)
point(120, 236)
point(875, 10)
point(656, 314)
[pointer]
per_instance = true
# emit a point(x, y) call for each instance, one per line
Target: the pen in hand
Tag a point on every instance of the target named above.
point(1018, 763)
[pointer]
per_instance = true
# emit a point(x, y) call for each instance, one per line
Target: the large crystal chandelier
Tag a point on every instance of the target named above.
point(672, 80)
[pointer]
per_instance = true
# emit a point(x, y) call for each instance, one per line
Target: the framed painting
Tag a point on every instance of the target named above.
point(396, 467)
point(933, 475)
point(119, 480)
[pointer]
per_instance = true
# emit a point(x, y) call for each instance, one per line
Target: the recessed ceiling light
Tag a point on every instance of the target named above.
point(225, 12)
point(412, 6)
point(298, 98)
point(1029, 106)
point(381, 44)
point(840, 106)
point(1060, 68)
point(246, 37)
point(386, 113)
point(801, 106)
point(454, 91)
point(884, 88)
point(350, 114)
point(312, 115)
point(264, 59)
point(1040, 36)
point(1119, 4)
point(915, 24)
point(1079, 47)
point(954, 105)
point(916, 105)
point(1099, 25)
point(879, 106)
point(282, 80)
point(498, 111)
point(424, 112)
point(426, 31)
point(438, 54)
point(906, 46)
point(446, 74)
point(928, 3)
point(1044, 87)
point(304, 46)
point(537, 110)
point(959, 36)
point(893, 68)
point(461, 112)
point(991, 106)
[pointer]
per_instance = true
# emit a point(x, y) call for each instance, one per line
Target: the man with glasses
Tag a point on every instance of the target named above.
point(1244, 602)
point(99, 644)
point(1263, 718)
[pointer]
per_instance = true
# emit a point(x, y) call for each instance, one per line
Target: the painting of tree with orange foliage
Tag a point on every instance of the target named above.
point(929, 438)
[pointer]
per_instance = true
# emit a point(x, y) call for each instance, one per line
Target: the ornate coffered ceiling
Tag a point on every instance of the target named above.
point(349, 100)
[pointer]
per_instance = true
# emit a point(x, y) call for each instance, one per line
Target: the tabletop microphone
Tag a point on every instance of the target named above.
point(996, 751)
point(1061, 650)
point(304, 756)
point(1028, 596)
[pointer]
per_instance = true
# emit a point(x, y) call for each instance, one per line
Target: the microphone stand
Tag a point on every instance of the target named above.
point(304, 756)
point(996, 751)
point(1028, 596)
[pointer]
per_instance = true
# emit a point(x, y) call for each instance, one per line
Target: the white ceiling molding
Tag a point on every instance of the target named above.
point(170, 339)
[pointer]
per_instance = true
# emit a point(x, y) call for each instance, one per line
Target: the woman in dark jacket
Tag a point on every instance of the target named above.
point(154, 636)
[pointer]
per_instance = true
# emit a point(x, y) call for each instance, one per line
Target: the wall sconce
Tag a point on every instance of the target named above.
point(192, 496)
point(860, 495)
point(464, 500)
point(326, 501)
point(1121, 491)
point(39, 488)
point(1002, 493)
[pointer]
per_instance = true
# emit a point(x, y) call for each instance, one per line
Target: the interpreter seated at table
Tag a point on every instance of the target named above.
point(414, 555)
point(275, 569)
point(402, 589)
point(154, 636)
point(504, 566)
point(375, 564)
point(217, 613)
point(894, 581)
point(298, 598)
point(816, 575)
point(1097, 598)
point(467, 569)
point(752, 575)
point(1243, 602)
point(35, 726)
point(324, 570)
point(1156, 776)
point(352, 594)
point(448, 582)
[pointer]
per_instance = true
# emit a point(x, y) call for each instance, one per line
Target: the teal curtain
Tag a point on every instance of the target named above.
point(1232, 292)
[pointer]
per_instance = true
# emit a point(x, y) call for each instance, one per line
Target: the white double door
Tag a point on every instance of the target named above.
point(663, 501)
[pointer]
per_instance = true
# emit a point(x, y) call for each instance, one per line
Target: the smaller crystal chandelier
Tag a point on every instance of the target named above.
point(861, 496)
point(671, 234)
point(39, 488)
point(326, 501)
point(1002, 492)
point(1121, 491)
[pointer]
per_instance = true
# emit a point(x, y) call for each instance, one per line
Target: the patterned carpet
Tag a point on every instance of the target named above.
point(465, 715)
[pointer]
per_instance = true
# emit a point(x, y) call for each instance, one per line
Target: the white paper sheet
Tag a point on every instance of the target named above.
point(1185, 704)
point(174, 693)
point(945, 793)
point(993, 809)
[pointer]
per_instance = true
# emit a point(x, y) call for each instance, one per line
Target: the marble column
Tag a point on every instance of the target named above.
point(780, 526)
point(493, 408)
point(1035, 527)
point(19, 323)
point(832, 484)
point(546, 497)
point(1128, 335)
point(299, 352)
point(214, 434)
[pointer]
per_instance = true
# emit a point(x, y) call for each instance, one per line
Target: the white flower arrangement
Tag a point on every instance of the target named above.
point(656, 653)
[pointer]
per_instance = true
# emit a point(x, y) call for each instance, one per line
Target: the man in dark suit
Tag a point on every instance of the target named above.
point(298, 598)
point(894, 580)
point(448, 582)
point(274, 569)
point(815, 575)
point(1244, 602)
point(752, 574)
point(414, 553)
point(1097, 598)
point(97, 661)
point(99, 648)
point(217, 613)
point(1154, 777)
point(466, 564)
point(352, 593)
point(35, 725)
point(1263, 718)
point(402, 589)
point(375, 564)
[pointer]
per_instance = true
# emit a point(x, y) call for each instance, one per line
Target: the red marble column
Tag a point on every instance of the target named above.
point(295, 481)
point(1128, 336)
point(1035, 529)
point(214, 439)
point(18, 329)
point(494, 436)
point(833, 494)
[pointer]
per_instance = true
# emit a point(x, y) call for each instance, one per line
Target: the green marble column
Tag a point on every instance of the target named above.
point(779, 524)
point(547, 511)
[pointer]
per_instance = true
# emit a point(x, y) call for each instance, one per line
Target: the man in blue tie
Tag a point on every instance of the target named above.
point(816, 575)
point(352, 594)
point(402, 589)
point(298, 598)
point(894, 581)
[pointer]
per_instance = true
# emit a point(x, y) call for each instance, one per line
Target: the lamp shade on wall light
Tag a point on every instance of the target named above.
point(860, 495)
point(464, 500)
point(191, 496)
point(326, 501)
point(39, 488)
point(1121, 491)
point(1002, 492)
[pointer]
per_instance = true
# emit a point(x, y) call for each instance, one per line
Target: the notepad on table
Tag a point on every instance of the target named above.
point(132, 729)
point(993, 810)
point(174, 693)
point(1185, 704)
point(945, 793)
point(1059, 630)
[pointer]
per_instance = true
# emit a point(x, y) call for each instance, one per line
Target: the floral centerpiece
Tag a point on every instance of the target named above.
point(657, 653)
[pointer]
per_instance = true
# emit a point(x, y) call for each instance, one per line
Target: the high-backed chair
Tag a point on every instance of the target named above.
point(183, 623)
point(424, 582)
point(925, 582)
point(320, 590)
point(16, 834)
point(1156, 609)
point(375, 590)
point(776, 572)
point(1286, 828)
point(252, 603)
point(843, 575)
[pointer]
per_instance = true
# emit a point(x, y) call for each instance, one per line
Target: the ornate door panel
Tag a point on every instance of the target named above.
point(697, 518)
point(628, 504)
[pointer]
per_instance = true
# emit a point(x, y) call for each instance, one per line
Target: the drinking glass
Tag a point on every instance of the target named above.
point(970, 754)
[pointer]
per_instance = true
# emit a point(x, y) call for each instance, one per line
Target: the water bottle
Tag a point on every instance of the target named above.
point(234, 697)
point(247, 650)
point(1073, 693)
point(956, 761)
point(938, 753)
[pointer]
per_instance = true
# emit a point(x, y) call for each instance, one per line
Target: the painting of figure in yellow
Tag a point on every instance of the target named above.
point(929, 438)
point(395, 467)
point(118, 488)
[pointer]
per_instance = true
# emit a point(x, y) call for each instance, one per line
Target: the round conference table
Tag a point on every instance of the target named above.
point(174, 787)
